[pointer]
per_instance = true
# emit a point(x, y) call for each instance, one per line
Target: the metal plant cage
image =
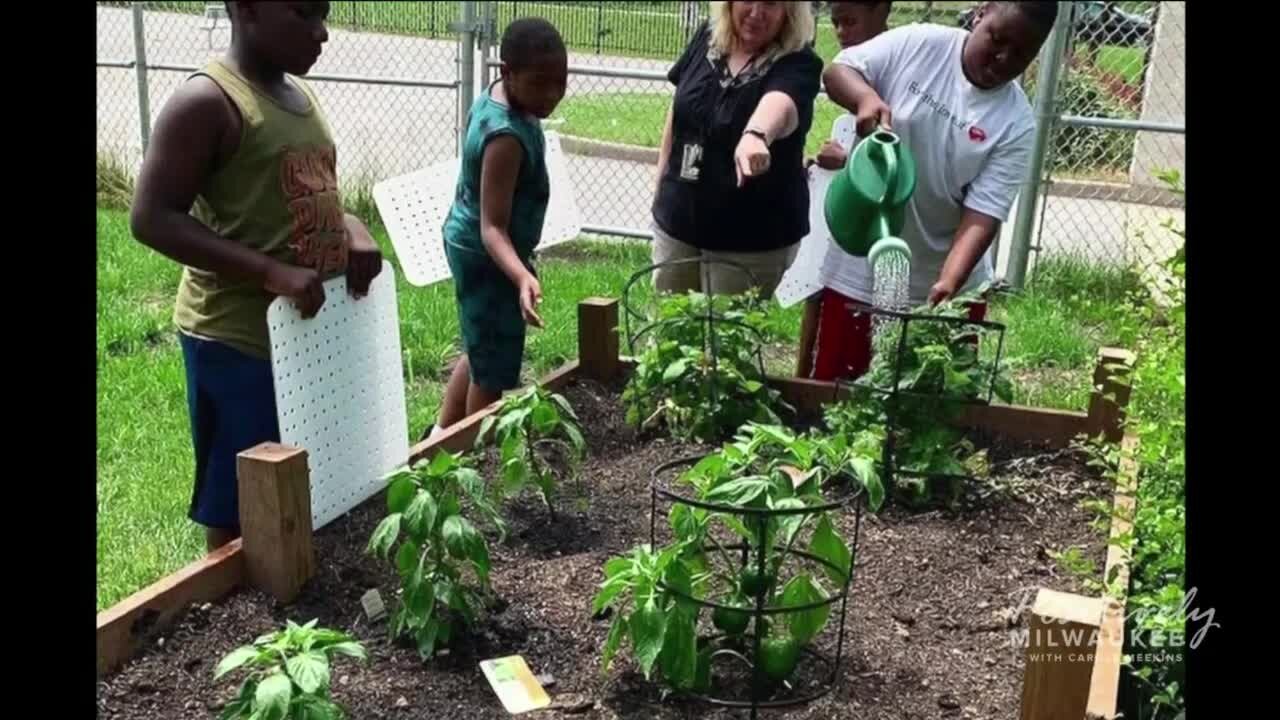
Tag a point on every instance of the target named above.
point(893, 394)
point(817, 673)
point(708, 318)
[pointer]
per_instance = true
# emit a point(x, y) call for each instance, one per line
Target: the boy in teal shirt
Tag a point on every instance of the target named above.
point(496, 219)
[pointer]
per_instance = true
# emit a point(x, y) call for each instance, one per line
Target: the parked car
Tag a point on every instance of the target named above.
point(1099, 23)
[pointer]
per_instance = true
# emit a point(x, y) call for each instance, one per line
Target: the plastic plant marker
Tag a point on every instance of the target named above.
point(513, 683)
point(374, 608)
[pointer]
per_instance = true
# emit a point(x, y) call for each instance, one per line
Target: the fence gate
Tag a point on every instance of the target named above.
point(389, 78)
point(1119, 129)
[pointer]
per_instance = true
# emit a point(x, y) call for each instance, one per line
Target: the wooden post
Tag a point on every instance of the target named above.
point(598, 338)
point(1061, 643)
point(275, 518)
point(1112, 384)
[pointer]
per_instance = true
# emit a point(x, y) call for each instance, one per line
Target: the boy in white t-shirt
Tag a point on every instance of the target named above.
point(854, 23)
point(951, 96)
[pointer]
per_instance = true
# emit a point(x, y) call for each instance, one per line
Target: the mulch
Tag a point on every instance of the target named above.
point(936, 598)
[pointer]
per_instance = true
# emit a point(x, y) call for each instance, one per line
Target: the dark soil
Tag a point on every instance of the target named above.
point(934, 601)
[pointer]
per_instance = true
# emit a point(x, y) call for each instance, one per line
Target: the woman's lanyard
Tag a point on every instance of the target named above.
point(727, 80)
point(732, 76)
point(692, 152)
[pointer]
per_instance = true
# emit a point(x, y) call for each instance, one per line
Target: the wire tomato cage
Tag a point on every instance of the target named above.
point(816, 672)
point(893, 334)
point(701, 320)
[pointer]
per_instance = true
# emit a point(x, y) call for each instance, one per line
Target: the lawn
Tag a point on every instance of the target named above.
point(1127, 62)
point(144, 456)
point(635, 118)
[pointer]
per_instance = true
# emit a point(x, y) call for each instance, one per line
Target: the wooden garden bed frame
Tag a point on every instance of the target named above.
point(1076, 640)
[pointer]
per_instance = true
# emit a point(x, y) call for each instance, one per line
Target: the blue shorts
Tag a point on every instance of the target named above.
point(232, 402)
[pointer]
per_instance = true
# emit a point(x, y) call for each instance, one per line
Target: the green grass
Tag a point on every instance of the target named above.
point(635, 118)
point(1056, 326)
point(144, 460)
point(1127, 62)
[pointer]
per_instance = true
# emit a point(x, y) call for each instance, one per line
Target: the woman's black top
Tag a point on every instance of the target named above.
point(698, 201)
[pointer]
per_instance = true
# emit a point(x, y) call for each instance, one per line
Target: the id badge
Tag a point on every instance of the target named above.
point(691, 161)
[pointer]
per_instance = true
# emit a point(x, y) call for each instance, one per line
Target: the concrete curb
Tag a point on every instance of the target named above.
point(607, 150)
point(1116, 192)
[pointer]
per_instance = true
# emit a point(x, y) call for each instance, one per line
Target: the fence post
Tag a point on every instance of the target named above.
point(140, 70)
point(485, 40)
point(599, 26)
point(466, 68)
point(1051, 61)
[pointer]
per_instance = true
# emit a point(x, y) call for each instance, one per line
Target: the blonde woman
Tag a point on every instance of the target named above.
point(731, 176)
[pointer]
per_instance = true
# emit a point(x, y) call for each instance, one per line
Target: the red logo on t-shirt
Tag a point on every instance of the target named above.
point(977, 134)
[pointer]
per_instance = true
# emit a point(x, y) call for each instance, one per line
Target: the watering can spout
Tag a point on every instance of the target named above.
point(867, 200)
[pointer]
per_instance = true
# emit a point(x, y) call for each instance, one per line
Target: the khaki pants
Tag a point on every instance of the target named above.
point(714, 276)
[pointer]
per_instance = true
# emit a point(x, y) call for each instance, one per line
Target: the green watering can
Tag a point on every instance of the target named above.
point(867, 200)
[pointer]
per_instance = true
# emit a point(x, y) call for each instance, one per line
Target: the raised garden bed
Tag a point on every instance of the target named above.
point(933, 604)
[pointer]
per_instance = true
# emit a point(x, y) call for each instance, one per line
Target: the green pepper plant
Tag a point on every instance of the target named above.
point(702, 377)
point(288, 674)
point(941, 369)
point(441, 557)
point(737, 560)
point(532, 428)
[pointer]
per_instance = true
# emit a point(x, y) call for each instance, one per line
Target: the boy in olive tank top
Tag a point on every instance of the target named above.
point(239, 185)
point(496, 218)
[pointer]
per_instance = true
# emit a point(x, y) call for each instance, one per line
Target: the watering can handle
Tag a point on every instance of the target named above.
point(891, 171)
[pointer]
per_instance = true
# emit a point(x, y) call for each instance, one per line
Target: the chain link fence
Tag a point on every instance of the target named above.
point(618, 95)
point(1120, 113)
point(390, 80)
point(390, 95)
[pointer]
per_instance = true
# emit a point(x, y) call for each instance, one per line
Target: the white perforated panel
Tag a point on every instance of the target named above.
point(801, 279)
point(845, 130)
point(414, 207)
point(340, 391)
point(564, 218)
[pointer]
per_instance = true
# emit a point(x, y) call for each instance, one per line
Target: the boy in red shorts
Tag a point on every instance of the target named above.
point(854, 23)
point(951, 96)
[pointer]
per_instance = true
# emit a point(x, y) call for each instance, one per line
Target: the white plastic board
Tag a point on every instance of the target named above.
point(564, 217)
point(801, 279)
point(414, 207)
point(339, 387)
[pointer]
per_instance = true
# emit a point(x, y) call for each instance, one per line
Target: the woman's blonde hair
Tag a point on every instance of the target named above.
point(797, 28)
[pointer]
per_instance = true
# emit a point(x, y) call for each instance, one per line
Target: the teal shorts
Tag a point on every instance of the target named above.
point(493, 328)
